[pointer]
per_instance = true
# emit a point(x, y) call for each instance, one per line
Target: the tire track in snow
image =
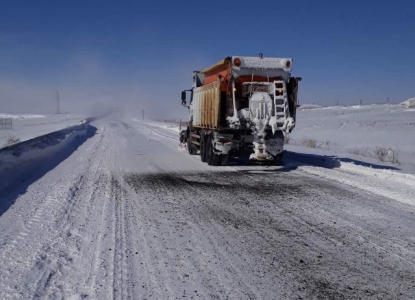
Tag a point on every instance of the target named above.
point(63, 251)
point(151, 278)
point(164, 237)
point(281, 230)
point(28, 249)
point(170, 138)
point(120, 281)
point(98, 267)
point(145, 283)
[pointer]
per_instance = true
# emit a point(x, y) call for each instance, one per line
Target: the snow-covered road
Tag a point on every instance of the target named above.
point(131, 216)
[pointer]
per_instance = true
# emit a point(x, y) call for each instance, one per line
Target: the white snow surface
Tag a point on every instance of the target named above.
point(355, 132)
point(174, 127)
point(21, 116)
point(410, 103)
point(131, 215)
point(308, 106)
point(28, 126)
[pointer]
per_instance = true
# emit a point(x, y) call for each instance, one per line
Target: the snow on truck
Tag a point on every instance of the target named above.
point(241, 107)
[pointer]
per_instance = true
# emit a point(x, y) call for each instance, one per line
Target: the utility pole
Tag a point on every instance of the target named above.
point(361, 101)
point(143, 113)
point(58, 109)
point(387, 100)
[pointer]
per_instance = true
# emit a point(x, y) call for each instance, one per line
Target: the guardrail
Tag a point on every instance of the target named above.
point(6, 123)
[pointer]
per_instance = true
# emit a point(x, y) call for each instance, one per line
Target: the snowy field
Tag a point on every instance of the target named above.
point(378, 134)
point(26, 126)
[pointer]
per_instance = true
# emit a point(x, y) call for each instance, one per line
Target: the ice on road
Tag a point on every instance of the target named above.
point(129, 215)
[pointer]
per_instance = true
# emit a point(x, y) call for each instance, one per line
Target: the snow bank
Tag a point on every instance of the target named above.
point(20, 160)
point(13, 116)
point(385, 183)
point(410, 103)
point(26, 127)
point(308, 106)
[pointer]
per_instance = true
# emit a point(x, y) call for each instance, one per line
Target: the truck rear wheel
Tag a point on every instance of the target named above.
point(212, 158)
point(225, 159)
point(278, 159)
point(203, 154)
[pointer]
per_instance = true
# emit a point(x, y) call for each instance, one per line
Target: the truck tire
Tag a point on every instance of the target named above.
point(225, 159)
point(278, 159)
point(203, 154)
point(212, 158)
point(190, 147)
point(183, 135)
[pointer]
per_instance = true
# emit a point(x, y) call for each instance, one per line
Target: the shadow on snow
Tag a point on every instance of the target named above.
point(292, 160)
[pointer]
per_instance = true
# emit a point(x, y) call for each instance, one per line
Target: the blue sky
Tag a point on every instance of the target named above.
point(140, 54)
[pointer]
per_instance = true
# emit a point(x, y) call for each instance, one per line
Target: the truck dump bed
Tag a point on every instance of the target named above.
point(206, 105)
point(219, 91)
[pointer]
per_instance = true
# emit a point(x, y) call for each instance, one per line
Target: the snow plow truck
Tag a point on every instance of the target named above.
point(241, 107)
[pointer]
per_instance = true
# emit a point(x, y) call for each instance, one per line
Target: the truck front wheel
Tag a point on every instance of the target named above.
point(190, 147)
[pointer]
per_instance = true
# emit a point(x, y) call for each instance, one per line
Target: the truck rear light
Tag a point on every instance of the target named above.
point(224, 140)
point(237, 61)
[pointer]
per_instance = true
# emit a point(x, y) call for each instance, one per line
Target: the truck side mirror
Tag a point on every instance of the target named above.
point(183, 96)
